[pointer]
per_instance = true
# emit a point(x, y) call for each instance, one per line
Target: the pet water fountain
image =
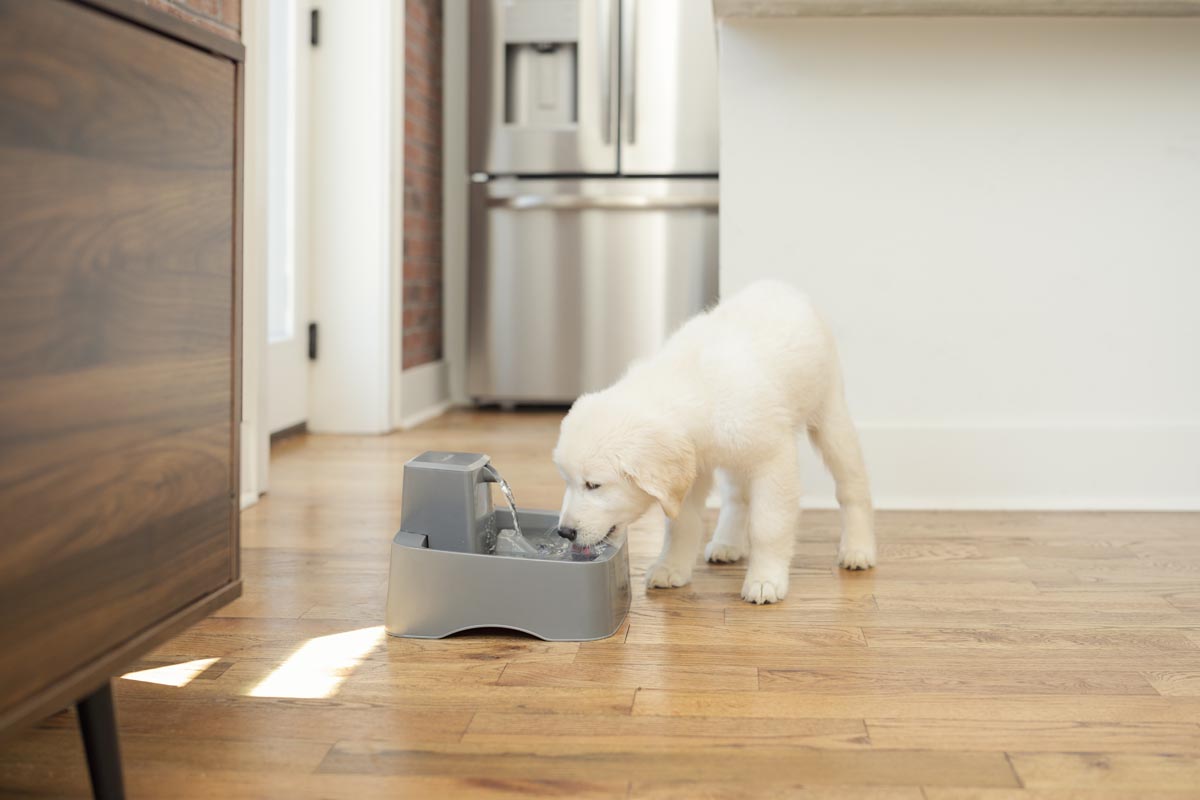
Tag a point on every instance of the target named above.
point(459, 563)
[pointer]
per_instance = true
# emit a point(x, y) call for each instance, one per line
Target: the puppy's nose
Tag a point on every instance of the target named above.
point(567, 533)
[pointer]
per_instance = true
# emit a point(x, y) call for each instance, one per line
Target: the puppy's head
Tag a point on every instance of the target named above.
point(618, 460)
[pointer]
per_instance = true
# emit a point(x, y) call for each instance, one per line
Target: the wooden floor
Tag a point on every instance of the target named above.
point(991, 656)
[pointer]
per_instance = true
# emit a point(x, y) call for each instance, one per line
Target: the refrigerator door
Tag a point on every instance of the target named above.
point(668, 87)
point(571, 280)
point(543, 86)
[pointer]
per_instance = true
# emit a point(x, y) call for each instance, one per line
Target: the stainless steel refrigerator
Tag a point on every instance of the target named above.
point(593, 211)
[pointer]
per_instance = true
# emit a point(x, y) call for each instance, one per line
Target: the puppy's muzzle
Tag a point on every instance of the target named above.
point(567, 533)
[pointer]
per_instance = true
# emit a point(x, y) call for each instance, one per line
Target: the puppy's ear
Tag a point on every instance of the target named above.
point(663, 464)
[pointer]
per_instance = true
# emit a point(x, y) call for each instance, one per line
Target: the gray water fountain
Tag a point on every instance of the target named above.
point(460, 563)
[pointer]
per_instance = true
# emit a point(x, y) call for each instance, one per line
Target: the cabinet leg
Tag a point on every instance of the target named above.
point(98, 724)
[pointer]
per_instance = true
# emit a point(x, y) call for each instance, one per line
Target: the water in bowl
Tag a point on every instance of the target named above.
point(547, 545)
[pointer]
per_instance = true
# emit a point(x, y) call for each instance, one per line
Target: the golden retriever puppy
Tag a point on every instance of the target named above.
point(727, 396)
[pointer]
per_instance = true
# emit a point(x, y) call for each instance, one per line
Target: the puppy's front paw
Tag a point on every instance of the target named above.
point(722, 553)
point(761, 592)
point(856, 558)
point(661, 575)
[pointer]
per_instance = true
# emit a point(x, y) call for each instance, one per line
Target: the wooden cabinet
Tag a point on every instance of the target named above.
point(119, 340)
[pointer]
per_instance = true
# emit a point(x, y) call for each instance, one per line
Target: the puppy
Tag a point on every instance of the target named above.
point(727, 397)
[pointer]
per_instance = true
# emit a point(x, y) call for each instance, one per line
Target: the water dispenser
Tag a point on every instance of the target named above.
point(459, 563)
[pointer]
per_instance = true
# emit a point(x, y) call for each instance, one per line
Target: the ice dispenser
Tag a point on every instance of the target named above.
point(539, 86)
point(544, 85)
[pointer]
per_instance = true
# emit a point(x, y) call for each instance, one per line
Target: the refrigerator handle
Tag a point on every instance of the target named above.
point(575, 202)
point(629, 69)
point(605, 11)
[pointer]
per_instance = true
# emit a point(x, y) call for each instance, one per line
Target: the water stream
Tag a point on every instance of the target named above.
point(508, 495)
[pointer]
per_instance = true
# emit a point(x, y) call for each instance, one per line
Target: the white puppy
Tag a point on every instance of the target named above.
point(730, 392)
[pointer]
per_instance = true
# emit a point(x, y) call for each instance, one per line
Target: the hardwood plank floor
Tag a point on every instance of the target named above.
point(991, 655)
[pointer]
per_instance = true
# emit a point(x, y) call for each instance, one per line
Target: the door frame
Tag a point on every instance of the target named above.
point(255, 436)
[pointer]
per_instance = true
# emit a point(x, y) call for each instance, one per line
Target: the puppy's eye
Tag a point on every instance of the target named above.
point(590, 486)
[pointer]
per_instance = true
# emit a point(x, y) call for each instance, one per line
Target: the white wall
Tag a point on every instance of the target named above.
point(1001, 220)
point(355, 196)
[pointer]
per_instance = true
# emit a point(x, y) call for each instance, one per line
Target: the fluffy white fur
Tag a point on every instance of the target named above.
point(727, 396)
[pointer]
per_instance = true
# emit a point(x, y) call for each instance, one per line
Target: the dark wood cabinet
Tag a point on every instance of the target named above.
point(119, 340)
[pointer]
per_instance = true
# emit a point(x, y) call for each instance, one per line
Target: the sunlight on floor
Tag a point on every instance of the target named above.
point(318, 668)
point(177, 675)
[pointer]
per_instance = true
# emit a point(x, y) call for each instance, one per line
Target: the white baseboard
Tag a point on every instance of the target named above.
point(1101, 467)
point(424, 394)
point(421, 417)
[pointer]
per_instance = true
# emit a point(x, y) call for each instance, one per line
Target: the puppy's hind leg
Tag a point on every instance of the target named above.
point(730, 541)
point(833, 434)
point(774, 517)
point(681, 541)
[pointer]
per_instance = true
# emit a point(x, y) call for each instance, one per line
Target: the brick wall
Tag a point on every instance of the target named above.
point(422, 332)
point(220, 16)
